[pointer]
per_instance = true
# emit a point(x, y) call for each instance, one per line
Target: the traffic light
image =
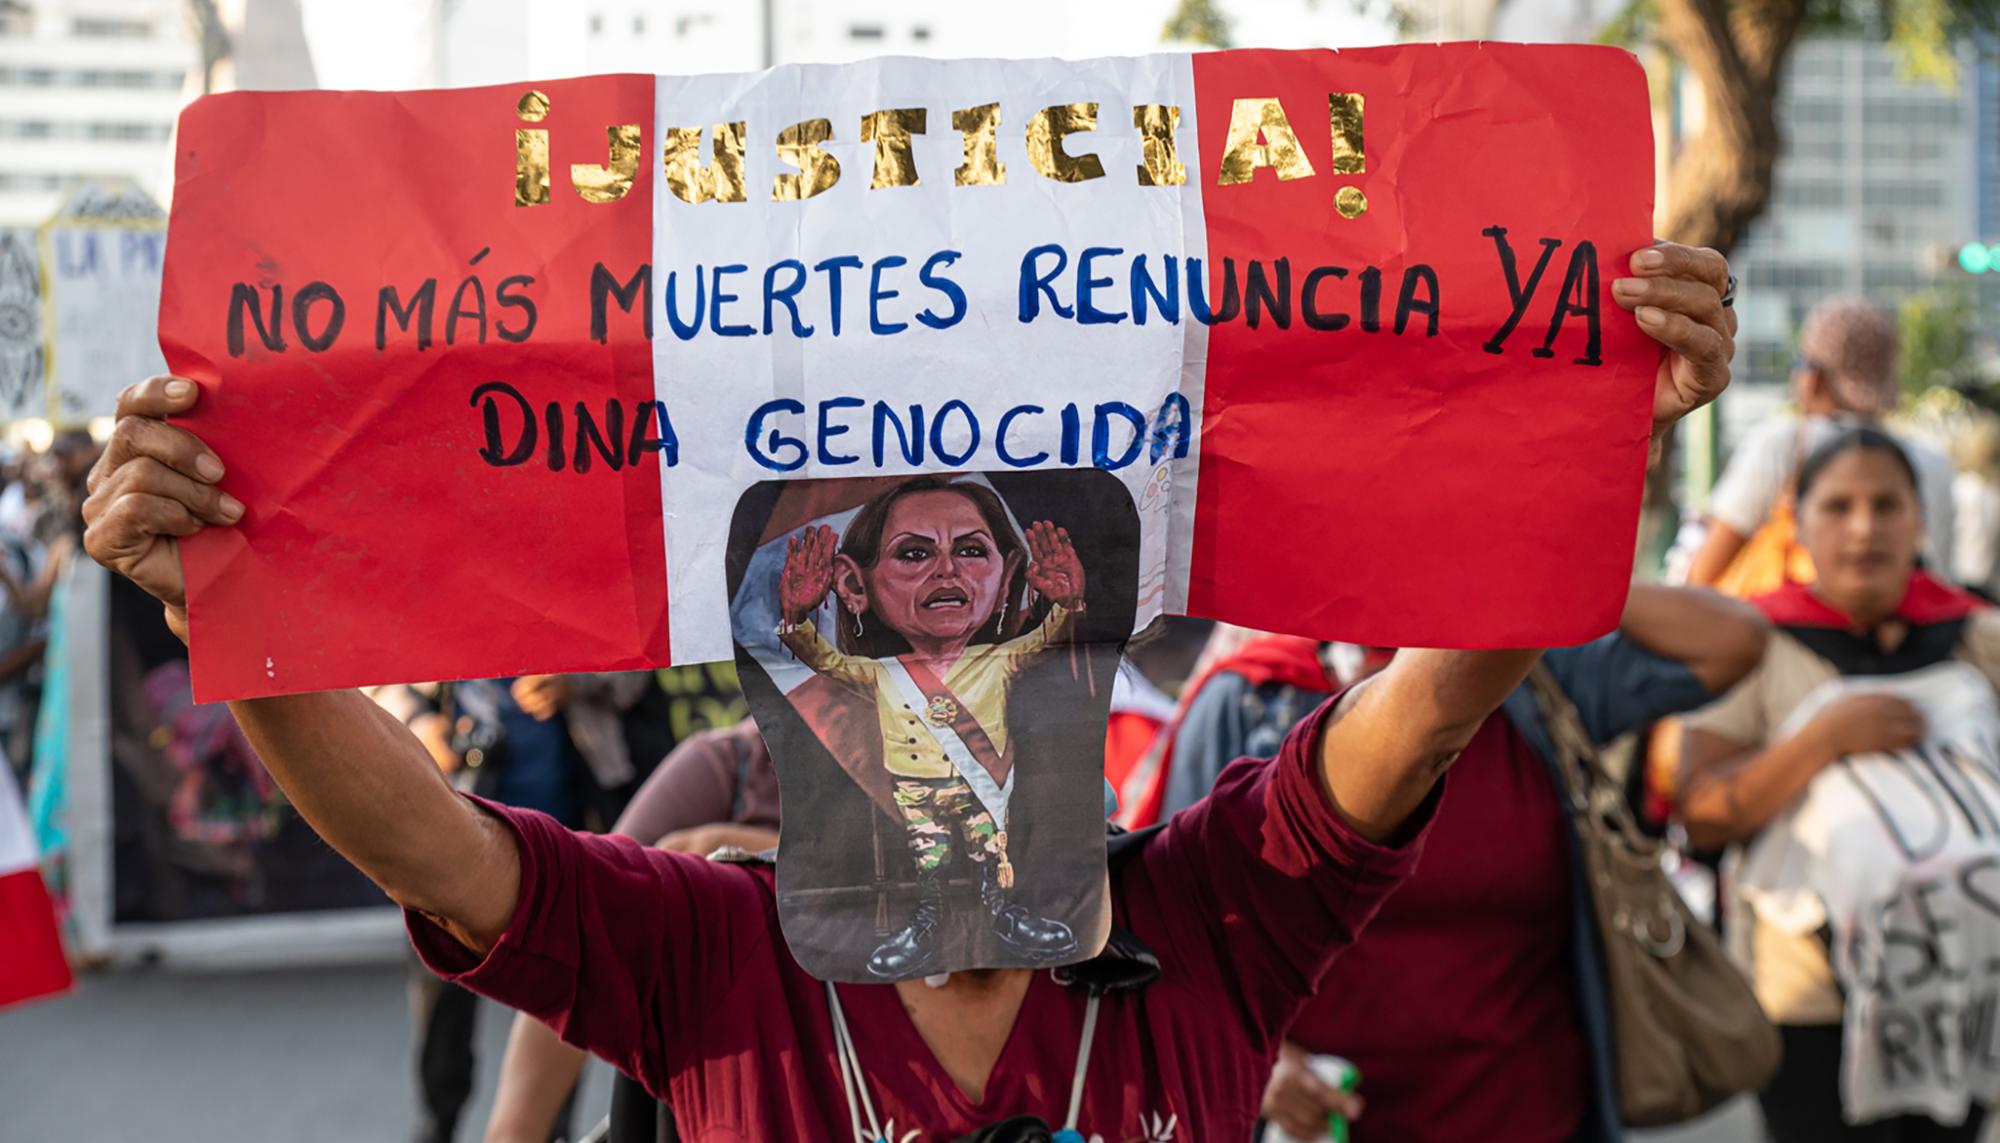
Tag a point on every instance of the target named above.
point(1978, 258)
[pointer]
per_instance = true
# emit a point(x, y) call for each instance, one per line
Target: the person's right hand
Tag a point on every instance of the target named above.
point(154, 484)
point(1299, 1101)
point(1866, 723)
point(808, 573)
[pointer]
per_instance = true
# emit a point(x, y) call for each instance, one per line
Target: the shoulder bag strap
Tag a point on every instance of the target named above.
point(1595, 797)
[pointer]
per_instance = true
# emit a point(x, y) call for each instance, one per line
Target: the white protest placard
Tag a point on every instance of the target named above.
point(101, 259)
point(21, 350)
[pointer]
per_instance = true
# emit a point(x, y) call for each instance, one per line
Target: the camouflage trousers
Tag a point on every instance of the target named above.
point(933, 808)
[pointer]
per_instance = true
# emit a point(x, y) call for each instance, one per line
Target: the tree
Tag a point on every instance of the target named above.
point(1722, 179)
point(1198, 22)
point(1736, 49)
point(1938, 346)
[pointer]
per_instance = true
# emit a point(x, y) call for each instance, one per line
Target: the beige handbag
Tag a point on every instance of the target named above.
point(1686, 1030)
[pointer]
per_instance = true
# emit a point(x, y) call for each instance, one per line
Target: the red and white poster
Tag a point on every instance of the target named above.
point(492, 368)
point(32, 961)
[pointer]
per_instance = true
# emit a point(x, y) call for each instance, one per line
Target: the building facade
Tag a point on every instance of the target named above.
point(88, 91)
point(1881, 179)
point(502, 41)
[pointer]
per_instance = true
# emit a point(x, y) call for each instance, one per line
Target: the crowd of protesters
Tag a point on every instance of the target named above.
point(41, 522)
point(1301, 881)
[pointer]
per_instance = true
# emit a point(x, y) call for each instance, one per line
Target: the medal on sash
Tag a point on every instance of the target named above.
point(941, 710)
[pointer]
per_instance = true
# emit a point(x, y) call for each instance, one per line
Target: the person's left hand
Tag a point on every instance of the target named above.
point(1053, 568)
point(1676, 294)
point(541, 697)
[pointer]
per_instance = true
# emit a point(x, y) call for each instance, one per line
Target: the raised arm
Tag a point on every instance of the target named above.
point(804, 641)
point(694, 786)
point(1718, 550)
point(1750, 487)
point(365, 783)
point(356, 774)
point(1394, 736)
point(1718, 638)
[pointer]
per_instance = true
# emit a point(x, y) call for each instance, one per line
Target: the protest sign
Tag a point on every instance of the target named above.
point(930, 659)
point(1894, 858)
point(493, 367)
point(21, 393)
point(32, 964)
point(101, 257)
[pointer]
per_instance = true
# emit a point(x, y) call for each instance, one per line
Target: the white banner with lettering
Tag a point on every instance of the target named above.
point(1897, 856)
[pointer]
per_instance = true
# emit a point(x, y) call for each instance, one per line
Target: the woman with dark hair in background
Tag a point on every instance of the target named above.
point(1514, 1021)
point(1840, 770)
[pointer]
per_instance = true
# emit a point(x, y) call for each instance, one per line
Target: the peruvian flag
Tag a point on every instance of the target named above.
point(32, 963)
point(492, 367)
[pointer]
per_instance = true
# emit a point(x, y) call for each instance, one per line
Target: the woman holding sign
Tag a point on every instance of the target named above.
point(676, 969)
point(1855, 772)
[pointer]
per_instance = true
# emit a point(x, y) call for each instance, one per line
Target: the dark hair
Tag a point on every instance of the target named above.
point(1864, 439)
point(862, 543)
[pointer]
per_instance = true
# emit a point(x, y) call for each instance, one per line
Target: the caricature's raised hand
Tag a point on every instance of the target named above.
point(1053, 568)
point(808, 573)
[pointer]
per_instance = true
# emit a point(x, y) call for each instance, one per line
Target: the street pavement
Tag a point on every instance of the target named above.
point(289, 1057)
point(271, 1057)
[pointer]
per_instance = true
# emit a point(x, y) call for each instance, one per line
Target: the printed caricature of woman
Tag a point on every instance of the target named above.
point(931, 573)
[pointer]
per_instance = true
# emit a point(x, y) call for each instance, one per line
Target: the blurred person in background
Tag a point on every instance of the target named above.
point(41, 523)
point(1140, 710)
point(1845, 376)
point(1246, 699)
point(564, 745)
point(27, 577)
point(1975, 495)
point(1512, 1024)
point(62, 472)
point(1142, 782)
point(16, 515)
point(716, 790)
point(1751, 762)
